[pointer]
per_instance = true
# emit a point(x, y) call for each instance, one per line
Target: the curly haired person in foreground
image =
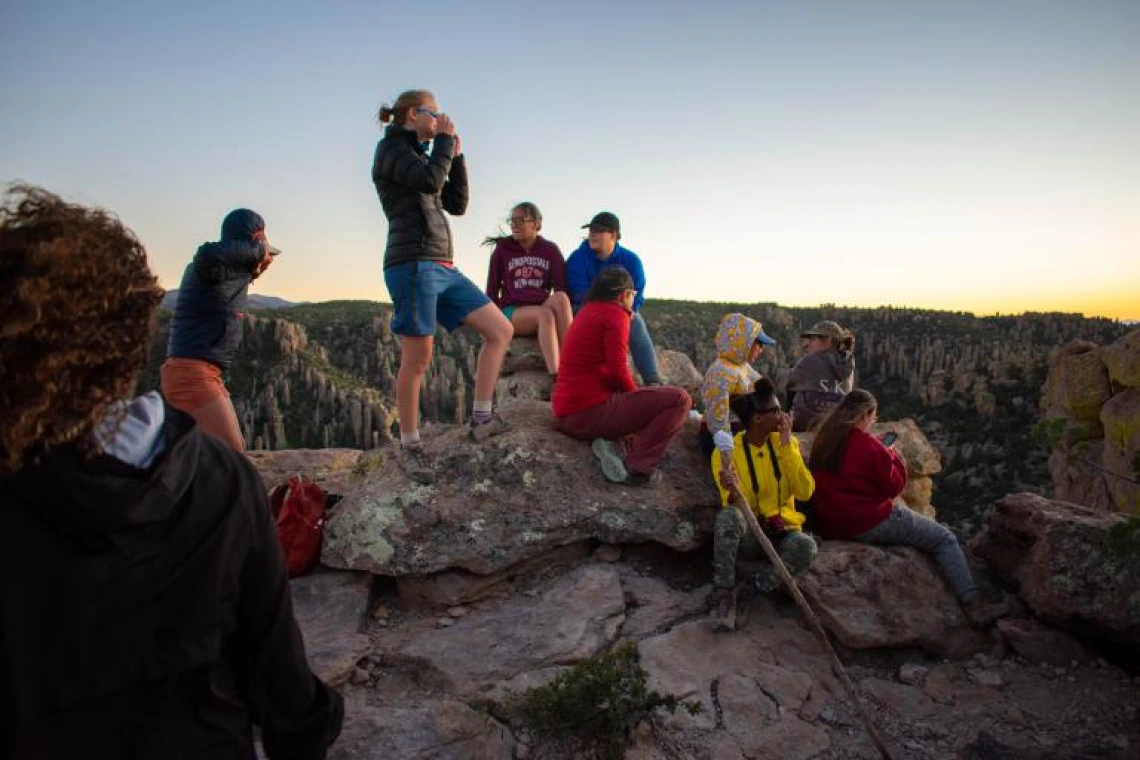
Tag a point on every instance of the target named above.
point(144, 611)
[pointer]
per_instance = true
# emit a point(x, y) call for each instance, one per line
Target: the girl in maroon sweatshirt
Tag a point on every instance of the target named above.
point(526, 278)
point(858, 480)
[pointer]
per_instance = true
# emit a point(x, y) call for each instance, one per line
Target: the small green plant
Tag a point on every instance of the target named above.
point(1049, 431)
point(595, 704)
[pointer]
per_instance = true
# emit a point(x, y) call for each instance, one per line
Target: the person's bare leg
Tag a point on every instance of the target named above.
point(539, 321)
point(415, 357)
point(496, 332)
point(219, 419)
point(559, 305)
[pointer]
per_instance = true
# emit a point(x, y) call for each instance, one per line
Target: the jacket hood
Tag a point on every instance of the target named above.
point(735, 336)
point(94, 506)
point(242, 224)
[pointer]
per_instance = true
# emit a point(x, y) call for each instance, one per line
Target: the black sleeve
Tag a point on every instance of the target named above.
point(299, 715)
point(455, 193)
point(401, 164)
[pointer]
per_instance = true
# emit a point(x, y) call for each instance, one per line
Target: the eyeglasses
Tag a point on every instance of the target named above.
point(518, 220)
point(434, 114)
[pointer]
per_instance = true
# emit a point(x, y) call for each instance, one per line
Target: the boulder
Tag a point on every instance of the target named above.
point(875, 597)
point(677, 369)
point(523, 355)
point(1122, 359)
point(1121, 420)
point(751, 684)
point(1076, 568)
point(514, 496)
point(1038, 643)
point(575, 618)
point(331, 469)
point(452, 587)
point(330, 607)
point(441, 730)
point(1077, 472)
point(1076, 387)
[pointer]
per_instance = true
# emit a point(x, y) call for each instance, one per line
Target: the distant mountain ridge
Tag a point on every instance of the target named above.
point(255, 301)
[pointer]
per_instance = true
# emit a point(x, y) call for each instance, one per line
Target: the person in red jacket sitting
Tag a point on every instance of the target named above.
point(858, 480)
point(595, 397)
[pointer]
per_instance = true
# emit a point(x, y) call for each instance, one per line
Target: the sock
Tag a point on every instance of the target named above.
point(481, 411)
point(410, 439)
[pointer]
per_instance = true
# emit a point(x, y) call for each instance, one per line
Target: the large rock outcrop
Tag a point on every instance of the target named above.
point(882, 597)
point(1091, 405)
point(509, 498)
point(1076, 568)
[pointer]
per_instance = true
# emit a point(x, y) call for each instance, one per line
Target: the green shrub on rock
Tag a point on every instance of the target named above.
point(596, 704)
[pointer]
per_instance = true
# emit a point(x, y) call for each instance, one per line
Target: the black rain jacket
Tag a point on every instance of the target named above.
point(146, 613)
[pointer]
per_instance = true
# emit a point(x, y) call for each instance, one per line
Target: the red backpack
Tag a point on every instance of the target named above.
point(298, 506)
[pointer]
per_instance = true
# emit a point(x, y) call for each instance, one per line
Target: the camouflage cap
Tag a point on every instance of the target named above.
point(825, 328)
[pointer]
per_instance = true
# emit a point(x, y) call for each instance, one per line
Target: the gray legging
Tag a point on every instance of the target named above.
point(909, 528)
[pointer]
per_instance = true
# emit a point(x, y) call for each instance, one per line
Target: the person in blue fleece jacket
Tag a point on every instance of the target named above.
point(598, 251)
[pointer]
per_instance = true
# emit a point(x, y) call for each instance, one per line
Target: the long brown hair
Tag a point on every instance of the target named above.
point(834, 429)
point(408, 100)
point(77, 302)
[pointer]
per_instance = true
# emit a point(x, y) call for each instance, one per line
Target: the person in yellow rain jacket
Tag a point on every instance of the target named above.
point(769, 471)
point(739, 341)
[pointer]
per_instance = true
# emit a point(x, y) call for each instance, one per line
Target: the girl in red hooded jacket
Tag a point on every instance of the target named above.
point(858, 482)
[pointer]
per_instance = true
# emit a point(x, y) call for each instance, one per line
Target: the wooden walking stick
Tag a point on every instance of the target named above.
point(805, 608)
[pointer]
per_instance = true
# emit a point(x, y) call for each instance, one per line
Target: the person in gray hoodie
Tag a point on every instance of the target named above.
point(823, 376)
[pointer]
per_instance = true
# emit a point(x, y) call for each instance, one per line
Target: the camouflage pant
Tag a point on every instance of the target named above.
point(733, 538)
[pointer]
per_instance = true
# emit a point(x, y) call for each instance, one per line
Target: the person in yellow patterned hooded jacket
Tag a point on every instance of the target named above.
point(739, 341)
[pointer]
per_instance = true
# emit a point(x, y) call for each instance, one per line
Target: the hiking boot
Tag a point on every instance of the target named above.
point(610, 459)
point(983, 610)
point(722, 609)
point(414, 462)
point(643, 479)
point(767, 580)
point(481, 431)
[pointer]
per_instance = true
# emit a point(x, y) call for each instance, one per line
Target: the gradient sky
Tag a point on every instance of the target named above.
point(982, 156)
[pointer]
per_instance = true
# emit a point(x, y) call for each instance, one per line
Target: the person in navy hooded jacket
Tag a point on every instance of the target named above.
point(598, 251)
point(205, 331)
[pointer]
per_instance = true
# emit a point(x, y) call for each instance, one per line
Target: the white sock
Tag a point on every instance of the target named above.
point(412, 438)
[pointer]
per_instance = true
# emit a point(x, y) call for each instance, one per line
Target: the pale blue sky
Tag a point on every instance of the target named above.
point(982, 156)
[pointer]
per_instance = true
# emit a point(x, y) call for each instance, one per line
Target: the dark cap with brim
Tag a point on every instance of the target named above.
point(604, 220)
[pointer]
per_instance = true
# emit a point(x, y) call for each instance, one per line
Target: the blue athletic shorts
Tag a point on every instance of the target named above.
point(425, 293)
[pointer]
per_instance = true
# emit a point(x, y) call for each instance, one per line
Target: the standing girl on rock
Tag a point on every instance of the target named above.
point(526, 278)
point(419, 173)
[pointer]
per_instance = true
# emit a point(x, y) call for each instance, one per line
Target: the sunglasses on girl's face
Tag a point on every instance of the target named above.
point(434, 114)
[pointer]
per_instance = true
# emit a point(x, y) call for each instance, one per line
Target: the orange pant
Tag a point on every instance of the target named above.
point(196, 387)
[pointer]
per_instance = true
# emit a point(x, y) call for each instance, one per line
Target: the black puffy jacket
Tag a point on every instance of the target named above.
point(214, 287)
point(415, 188)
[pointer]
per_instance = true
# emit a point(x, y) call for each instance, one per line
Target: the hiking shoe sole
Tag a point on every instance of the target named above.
point(610, 459)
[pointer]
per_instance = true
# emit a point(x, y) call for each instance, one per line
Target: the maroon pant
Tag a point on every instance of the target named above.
point(653, 416)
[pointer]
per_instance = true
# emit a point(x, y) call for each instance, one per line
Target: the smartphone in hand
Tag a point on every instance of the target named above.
point(889, 438)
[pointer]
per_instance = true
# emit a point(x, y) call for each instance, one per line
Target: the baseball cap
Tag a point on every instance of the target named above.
point(825, 328)
point(604, 220)
point(764, 338)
